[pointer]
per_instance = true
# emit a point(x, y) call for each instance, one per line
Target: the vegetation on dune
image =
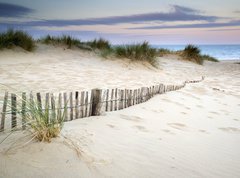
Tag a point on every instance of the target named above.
point(64, 40)
point(163, 51)
point(12, 38)
point(192, 53)
point(44, 124)
point(100, 44)
point(209, 58)
point(138, 52)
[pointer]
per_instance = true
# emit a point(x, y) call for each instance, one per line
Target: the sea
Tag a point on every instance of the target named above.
point(221, 52)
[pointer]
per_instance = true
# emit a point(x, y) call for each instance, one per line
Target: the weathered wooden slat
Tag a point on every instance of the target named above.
point(82, 104)
point(130, 98)
point(107, 96)
point(71, 105)
point(112, 98)
point(86, 114)
point(116, 99)
point(126, 99)
point(65, 105)
point(60, 108)
point(47, 105)
point(3, 114)
point(53, 107)
point(96, 102)
point(39, 101)
point(14, 110)
point(24, 100)
point(76, 105)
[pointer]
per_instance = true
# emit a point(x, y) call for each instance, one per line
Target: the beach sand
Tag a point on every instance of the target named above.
point(192, 132)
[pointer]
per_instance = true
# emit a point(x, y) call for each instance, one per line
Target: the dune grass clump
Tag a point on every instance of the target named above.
point(44, 124)
point(163, 51)
point(12, 38)
point(209, 58)
point(100, 44)
point(138, 52)
point(63, 40)
point(192, 53)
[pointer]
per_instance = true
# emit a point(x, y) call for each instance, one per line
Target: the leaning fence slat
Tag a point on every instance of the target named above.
point(24, 98)
point(106, 106)
point(82, 104)
point(5, 100)
point(86, 105)
point(71, 105)
point(14, 110)
point(116, 98)
point(47, 105)
point(76, 105)
point(112, 95)
point(53, 107)
point(60, 104)
point(65, 105)
point(39, 101)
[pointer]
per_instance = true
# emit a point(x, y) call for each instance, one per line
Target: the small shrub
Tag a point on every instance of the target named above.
point(209, 58)
point(192, 53)
point(100, 44)
point(138, 52)
point(19, 38)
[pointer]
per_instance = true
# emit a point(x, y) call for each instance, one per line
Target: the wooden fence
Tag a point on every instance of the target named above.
point(78, 104)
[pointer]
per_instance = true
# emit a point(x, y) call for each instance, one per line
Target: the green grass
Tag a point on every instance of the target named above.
point(100, 44)
point(192, 53)
point(44, 124)
point(209, 58)
point(63, 40)
point(163, 51)
point(12, 38)
point(137, 52)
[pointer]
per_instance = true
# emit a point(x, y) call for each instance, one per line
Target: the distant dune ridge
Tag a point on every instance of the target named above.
point(192, 132)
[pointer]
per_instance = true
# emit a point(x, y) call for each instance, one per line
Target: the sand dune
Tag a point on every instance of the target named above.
point(193, 132)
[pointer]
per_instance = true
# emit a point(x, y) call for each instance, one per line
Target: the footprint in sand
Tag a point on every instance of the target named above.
point(111, 126)
point(203, 131)
point(213, 112)
point(230, 129)
point(140, 128)
point(183, 113)
point(168, 131)
point(199, 106)
point(131, 118)
point(235, 119)
point(178, 126)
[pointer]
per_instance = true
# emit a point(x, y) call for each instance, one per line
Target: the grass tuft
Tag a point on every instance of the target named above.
point(192, 53)
point(12, 38)
point(138, 52)
point(63, 40)
point(100, 44)
point(209, 58)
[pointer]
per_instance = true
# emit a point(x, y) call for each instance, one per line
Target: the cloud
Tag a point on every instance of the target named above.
point(237, 11)
point(202, 25)
point(11, 10)
point(178, 13)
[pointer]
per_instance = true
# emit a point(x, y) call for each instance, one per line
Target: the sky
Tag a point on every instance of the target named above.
point(127, 21)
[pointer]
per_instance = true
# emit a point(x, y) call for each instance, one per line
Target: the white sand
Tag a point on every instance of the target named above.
point(193, 132)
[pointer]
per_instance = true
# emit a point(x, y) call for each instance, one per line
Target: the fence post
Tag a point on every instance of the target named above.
point(65, 106)
point(86, 114)
point(96, 102)
point(76, 105)
point(71, 106)
point(116, 99)
point(106, 106)
point(24, 98)
point(4, 111)
point(14, 110)
point(82, 104)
